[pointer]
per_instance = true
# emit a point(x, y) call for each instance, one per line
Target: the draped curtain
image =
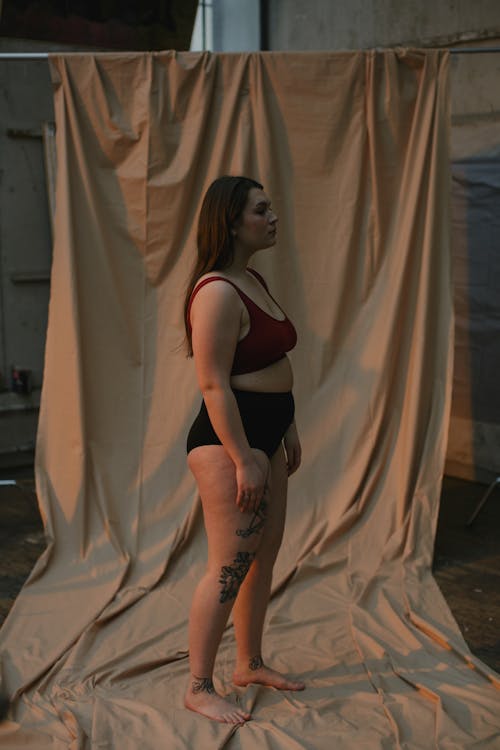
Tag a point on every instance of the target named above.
point(353, 150)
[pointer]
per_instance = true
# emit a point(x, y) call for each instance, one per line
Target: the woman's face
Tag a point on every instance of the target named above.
point(256, 227)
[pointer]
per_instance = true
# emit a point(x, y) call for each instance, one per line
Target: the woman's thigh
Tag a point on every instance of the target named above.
point(276, 498)
point(225, 524)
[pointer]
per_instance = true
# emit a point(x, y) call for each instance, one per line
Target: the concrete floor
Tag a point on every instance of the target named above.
point(466, 562)
point(467, 565)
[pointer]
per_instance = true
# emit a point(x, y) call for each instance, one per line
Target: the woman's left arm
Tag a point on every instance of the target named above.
point(292, 448)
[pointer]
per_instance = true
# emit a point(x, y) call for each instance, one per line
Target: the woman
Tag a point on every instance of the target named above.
point(238, 336)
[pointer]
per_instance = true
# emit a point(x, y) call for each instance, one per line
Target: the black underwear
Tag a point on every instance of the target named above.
point(265, 417)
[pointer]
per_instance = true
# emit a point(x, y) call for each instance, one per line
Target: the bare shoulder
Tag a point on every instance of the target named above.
point(214, 275)
point(218, 297)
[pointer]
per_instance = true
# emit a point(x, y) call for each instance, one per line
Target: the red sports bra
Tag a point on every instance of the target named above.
point(267, 339)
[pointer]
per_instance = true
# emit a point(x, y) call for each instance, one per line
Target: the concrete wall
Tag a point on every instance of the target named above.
point(25, 238)
point(236, 25)
point(25, 241)
point(475, 103)
point(358, 24)
point(25, 233)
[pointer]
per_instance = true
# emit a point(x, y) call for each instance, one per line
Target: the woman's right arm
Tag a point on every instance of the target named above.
point(215, 322)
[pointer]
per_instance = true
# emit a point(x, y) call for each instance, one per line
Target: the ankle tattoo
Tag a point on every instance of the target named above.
point(202, 685)
point(232, 576)
point(255, 662)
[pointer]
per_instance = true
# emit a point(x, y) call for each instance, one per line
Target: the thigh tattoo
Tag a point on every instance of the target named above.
point(232, 576)
point(257, 521)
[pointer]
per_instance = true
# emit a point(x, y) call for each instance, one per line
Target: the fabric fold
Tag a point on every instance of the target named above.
point(353, 151)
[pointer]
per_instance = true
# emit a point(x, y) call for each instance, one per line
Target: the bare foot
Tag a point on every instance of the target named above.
point(202, 698)
point(258, 673)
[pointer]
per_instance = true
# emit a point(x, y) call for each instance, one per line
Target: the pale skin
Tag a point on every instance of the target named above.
point(243, 493)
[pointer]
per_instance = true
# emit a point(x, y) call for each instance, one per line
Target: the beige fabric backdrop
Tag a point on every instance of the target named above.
point(352, 148)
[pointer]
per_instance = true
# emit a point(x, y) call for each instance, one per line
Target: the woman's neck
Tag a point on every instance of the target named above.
point(240, 262)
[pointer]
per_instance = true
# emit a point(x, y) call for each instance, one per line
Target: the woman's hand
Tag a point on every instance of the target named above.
point(252, 485)
point(292, 448)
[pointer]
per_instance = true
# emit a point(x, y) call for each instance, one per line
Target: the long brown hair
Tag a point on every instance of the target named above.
point(222, 206)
